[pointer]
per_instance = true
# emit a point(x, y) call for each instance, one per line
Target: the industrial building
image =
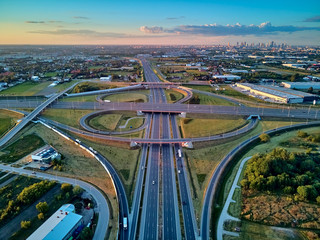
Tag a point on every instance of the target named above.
point(45, 155)
point(301, 85)
point(228, 77)
point(59, 226)
point(277, 94)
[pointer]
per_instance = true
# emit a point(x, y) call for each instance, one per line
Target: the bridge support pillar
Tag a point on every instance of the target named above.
point(183, 115)
point(139, 113)
point(187, 144)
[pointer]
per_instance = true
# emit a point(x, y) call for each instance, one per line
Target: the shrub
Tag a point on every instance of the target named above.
point(66, 187)
point(41, 216)
point(42, 207)
point(264, 137)
point(25, 224)
point(302, 134)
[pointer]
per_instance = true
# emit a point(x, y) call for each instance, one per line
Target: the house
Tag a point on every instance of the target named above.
point(45, 155)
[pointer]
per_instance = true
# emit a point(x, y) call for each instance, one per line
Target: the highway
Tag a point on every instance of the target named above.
point(102, 205)
point(284, 112)
point(189, 220)
point(170, 207)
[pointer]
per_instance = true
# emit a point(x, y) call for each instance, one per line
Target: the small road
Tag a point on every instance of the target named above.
point(102, 205)
point(225, 216)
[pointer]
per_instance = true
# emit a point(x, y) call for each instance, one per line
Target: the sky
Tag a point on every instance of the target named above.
point(159, 22)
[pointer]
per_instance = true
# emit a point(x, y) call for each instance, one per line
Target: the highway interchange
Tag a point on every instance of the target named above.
point(154, 213)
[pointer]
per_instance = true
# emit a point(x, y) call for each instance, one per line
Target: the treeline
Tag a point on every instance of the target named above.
point(284, 172)
point(86, 87)
point(27, 196)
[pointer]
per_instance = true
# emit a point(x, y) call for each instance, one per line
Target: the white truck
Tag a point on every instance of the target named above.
point(125, 223)
point(179, 153)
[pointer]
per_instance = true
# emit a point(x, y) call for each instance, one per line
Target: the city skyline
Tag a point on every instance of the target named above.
point(167, 23)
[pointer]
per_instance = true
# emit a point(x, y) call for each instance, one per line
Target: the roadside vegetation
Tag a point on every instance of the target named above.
point(199, 98)
point(286, 181)
point(205, 157)
point(198, 127)
point(137, 96)
point(20, 148)
point(70, 117)
point(173, 96)
point(28, 88)
point(8, 120)
point(91, 86)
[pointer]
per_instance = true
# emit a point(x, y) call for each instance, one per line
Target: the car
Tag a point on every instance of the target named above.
point(179, 171)
point(153, 182)
point(33, 172)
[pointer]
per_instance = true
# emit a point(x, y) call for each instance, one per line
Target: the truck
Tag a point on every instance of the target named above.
point(179, 153)
point(125, 223)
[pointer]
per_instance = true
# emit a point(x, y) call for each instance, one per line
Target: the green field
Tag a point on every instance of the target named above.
point(5, 125)
point(141, 96)
point(113, 121)
point(69, 117)
point(106, 122)
point(51, 74)
point(172, 95)
point(199, 98)
point(192, 127)
point(20, 148)
point(26, 89)
point(90, 98)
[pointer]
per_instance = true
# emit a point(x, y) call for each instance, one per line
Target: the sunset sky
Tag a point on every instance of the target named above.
point(159, 22)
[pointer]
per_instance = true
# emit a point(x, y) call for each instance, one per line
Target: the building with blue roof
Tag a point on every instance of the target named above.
point(59, 226)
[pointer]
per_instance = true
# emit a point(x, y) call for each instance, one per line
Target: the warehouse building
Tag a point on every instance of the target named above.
point(301, 85)
point(228, 77)
point(59, 226)
point(277, 94)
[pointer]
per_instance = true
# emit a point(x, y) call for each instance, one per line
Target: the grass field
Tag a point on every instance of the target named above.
point(5, 125)
point(128, 97)
point(209, 100)
point(106, 122)
point(207, 127)
point(172, 95)
point(69, 117)
point(50, 74)
point(113, 121)
point(90, 98)
point(26, 89)
point(21, 148)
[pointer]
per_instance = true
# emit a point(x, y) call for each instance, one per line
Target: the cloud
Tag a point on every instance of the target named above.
point(35, 22)
point(152, 30)
point(82, 32)
point(81, 17)
point(225, 30)
point(313, 19)
point(174, 18)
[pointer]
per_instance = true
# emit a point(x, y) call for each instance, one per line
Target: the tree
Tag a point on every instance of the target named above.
point(66, 187)
point(41, 216)
point(86, 234)
point(264, 137)
point(310, 90)
point(294, 77)
point(42, 207)
point(302, 134)
point(25, 224)
point(77, 190)
point(318, 199)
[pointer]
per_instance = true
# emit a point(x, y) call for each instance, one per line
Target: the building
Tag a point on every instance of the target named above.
point(277, 94)
point(45, 155)
point(228, 77)
point(35, 78)
point(301, 85)
point(106, 79)
point(59, 226)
